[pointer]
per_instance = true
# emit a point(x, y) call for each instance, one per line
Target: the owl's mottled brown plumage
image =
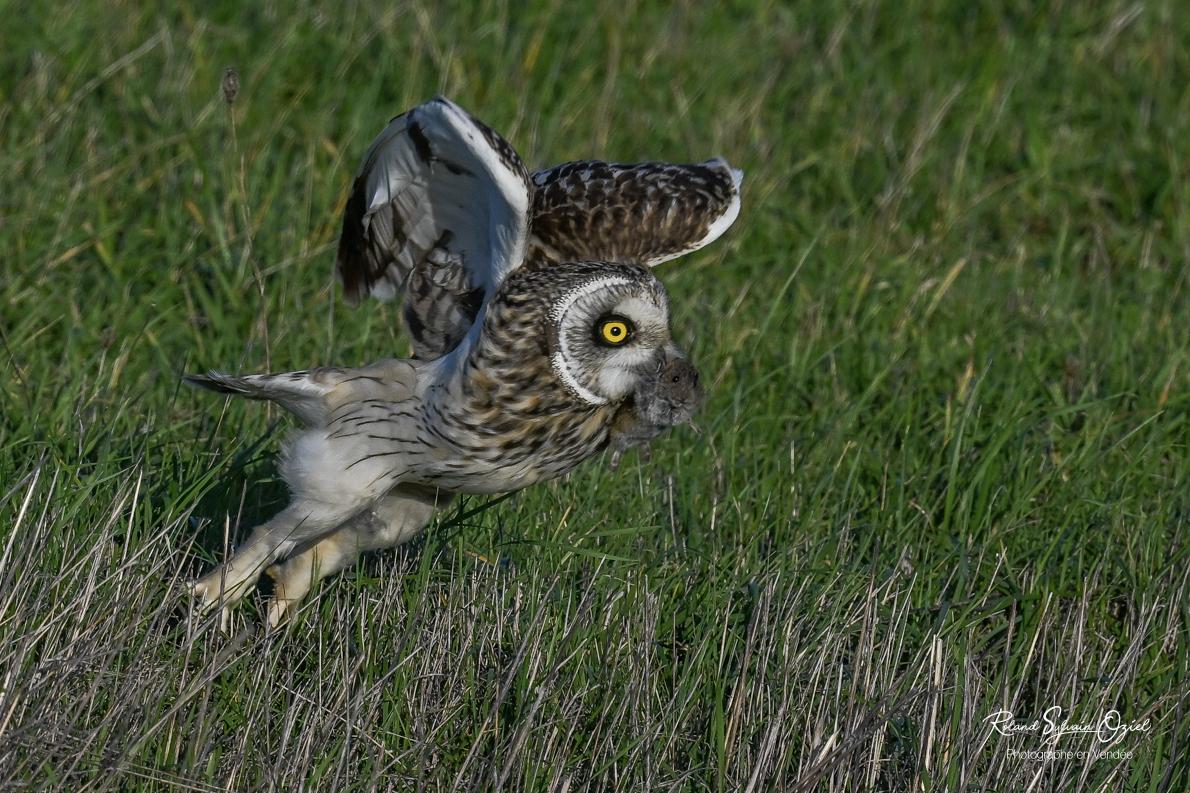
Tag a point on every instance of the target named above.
point(646, 212)
point(540, 336)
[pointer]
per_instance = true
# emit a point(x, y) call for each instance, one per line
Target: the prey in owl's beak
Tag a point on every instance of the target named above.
point(668, 397)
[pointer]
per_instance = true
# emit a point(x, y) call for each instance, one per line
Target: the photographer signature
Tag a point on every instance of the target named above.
point(1110, 728)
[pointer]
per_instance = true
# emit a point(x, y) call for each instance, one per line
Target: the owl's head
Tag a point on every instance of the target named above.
point(608, 331)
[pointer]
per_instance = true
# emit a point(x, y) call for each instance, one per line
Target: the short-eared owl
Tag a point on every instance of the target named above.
point(540, 337)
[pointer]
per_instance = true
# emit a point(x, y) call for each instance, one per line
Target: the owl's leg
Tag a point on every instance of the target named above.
point(299, 523)
point(394, 519)
point(294, 577)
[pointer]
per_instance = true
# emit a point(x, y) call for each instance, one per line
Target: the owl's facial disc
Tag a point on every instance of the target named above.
point(609, 335)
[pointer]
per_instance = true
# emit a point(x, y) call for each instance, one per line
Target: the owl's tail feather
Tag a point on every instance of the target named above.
point(313, 394)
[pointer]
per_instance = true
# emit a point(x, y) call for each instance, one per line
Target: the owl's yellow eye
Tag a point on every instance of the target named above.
point(614, 330)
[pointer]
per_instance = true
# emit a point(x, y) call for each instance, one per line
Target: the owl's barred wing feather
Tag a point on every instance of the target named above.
point(644, 212)
point(440, 307)
point(437, 188)
point(313, 395)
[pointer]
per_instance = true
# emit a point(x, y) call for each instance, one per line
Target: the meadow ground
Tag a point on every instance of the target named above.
point(944, 467)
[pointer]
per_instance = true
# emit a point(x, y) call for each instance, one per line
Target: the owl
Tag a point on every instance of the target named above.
point(540, 338)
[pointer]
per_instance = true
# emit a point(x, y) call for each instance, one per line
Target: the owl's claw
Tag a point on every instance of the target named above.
point(280, 610)
point(216, 588)
point(207, 604)
point(277, 612)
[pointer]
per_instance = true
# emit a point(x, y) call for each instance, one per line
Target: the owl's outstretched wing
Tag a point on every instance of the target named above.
point(441, 204)
point(644, 212)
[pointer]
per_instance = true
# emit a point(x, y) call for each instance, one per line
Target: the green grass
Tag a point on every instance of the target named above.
point(945, 466)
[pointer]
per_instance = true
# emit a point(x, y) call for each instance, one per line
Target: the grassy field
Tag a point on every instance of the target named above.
point(945, 466)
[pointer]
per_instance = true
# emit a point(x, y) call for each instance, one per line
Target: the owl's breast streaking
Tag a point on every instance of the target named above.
point(505, 421)
point(491, 441)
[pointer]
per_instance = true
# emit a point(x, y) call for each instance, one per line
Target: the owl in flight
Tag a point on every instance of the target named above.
point(540, 338)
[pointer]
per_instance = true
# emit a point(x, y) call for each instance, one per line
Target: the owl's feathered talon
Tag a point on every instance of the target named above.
point(209, 599)
point(292, 580)
point(214, 590)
